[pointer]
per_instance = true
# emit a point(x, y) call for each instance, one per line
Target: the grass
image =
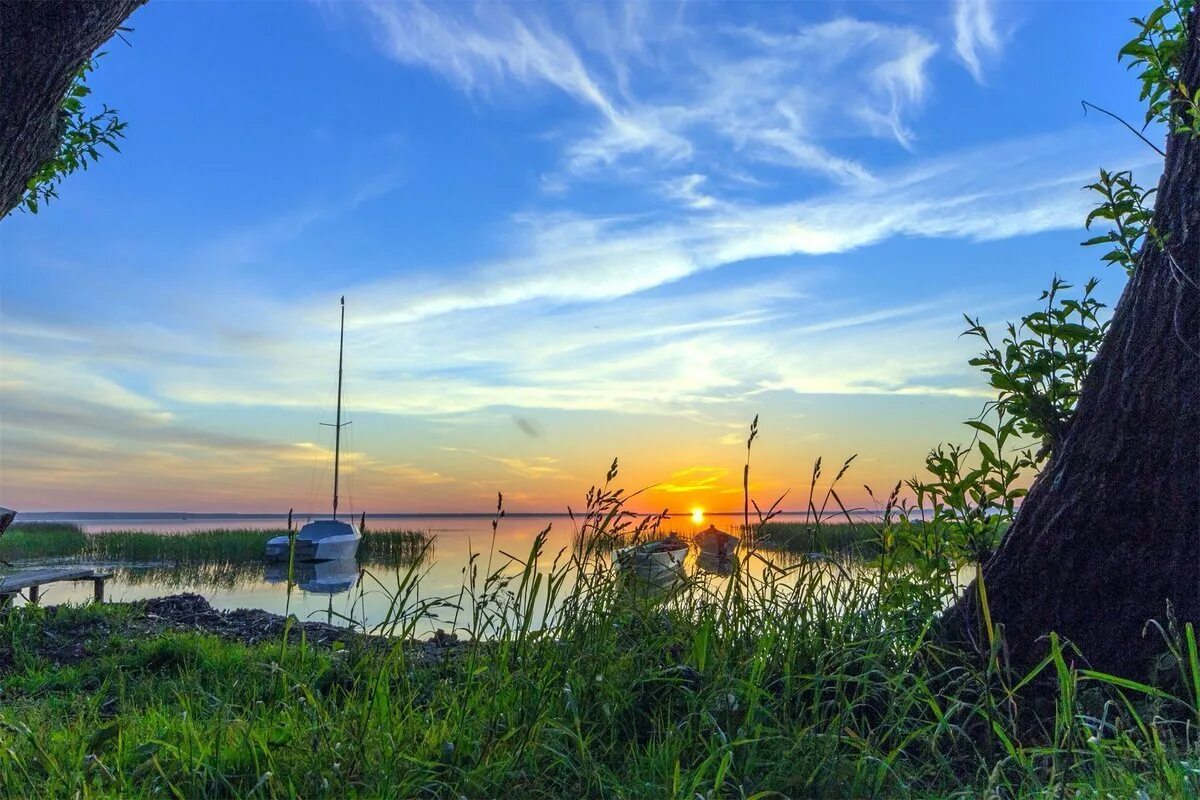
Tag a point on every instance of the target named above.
point(803, 537)
point(42, 540)
point(64, 540)
point(860, 540)
point(786, 685)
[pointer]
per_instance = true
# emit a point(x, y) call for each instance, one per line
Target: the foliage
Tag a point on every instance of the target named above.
point(84, 134)
point(971, 493)
point(1158, 51)
point(1126, 206)
point(801, 537)
point(1038, 367)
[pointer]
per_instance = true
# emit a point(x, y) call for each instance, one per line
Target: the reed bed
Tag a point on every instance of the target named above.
point(63, 540)
point(809, 681)
point(42, 540)
point(852, 538)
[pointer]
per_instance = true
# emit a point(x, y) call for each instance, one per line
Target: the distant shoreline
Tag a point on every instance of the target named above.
point(178, 516)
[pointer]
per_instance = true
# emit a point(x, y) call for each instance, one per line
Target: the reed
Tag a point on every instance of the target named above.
point(34, 540)
point(42, 540)
point(859, 538)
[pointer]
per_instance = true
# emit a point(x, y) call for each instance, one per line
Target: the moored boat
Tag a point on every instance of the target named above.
point(666, 553)
point(324, 539)
point(716, 542)
point(321, 540)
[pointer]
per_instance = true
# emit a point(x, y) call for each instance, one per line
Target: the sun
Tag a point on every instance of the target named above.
point(698, 516)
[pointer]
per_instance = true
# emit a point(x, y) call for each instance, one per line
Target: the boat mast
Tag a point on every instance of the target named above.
point(337, 435)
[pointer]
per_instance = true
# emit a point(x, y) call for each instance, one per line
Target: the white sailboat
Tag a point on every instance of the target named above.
point(323, 539)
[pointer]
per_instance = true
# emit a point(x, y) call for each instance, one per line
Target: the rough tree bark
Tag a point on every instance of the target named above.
point(1109, 535)
point(43, 43)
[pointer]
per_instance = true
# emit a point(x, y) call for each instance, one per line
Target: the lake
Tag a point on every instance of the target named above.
point(333, 591)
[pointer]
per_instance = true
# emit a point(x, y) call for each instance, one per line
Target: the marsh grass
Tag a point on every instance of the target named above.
point(63, 540)
point(852, 538)
point(42, 540)
point(811, 680)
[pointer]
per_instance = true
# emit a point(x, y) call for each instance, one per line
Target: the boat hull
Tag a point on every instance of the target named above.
point(327, 540)
point(716, 542)
point(642, 558)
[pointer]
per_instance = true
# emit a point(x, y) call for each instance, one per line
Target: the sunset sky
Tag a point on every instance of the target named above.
point(565, 233)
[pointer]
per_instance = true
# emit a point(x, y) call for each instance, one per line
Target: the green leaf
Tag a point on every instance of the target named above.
point(979, 426)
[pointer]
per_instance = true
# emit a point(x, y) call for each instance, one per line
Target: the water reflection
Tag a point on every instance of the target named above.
point(197, 576)
point(716, 563)
point(650, 584)
point(319, 577)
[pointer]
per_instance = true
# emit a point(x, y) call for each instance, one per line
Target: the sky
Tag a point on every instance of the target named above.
point(565, 234)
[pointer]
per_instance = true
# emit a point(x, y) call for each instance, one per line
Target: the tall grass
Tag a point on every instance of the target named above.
point(59, 540)
point(42, 540)
point(814, 680)
point(800, 537)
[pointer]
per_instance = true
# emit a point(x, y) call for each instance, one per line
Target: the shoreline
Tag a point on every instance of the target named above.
point(189, 612)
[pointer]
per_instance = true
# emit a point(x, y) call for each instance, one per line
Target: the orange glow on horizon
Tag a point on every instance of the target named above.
point(698, 516)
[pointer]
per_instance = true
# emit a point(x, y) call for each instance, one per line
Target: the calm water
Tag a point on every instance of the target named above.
point(332, 591)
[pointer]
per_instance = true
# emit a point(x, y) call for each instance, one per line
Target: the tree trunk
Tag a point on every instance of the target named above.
point(43, 43)
point(1109, 535)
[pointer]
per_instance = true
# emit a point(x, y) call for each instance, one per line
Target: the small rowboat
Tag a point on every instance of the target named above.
point(666, 553)
point(716, 542)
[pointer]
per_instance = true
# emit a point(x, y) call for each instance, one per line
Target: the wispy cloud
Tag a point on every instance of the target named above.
point(694, 480)
point(771, 96)
point(688, 190)
point(538, 467)
point(987, 193)
point(610, 313)
point(975, 34)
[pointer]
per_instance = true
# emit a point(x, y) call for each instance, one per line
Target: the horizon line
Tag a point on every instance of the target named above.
point(390, 514)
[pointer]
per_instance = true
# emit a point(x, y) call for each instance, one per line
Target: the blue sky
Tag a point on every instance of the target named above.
point(564, 232)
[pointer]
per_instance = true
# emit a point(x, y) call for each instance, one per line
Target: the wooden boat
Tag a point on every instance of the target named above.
point(666, 553)
point(324, 539)
point(716, 542)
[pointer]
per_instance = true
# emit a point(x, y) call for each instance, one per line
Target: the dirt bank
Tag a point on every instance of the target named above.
point(67, 637)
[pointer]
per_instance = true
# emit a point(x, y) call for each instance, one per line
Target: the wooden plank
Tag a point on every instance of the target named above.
point(37, 577)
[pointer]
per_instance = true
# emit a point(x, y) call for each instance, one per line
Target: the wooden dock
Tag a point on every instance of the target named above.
point(34, 579)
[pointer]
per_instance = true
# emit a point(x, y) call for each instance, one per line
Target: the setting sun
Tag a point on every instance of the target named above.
point(698, 516)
